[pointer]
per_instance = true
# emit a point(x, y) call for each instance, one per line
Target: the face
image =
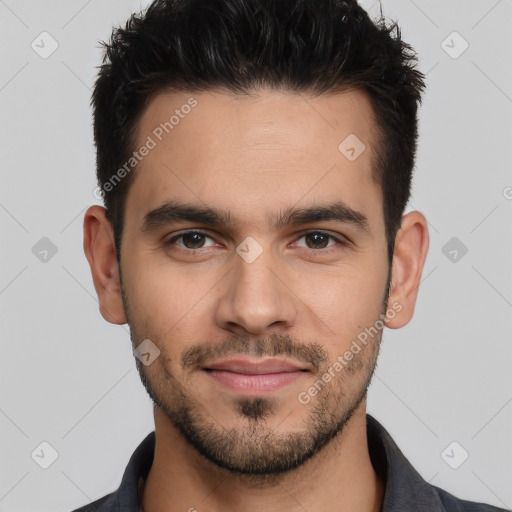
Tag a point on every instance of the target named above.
point(253, 257)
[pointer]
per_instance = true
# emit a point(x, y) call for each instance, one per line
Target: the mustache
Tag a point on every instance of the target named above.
point(273, 345)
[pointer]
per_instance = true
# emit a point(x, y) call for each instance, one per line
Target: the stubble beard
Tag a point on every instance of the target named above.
point(254, 449)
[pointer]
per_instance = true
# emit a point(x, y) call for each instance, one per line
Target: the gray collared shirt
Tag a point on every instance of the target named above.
point(406, 490)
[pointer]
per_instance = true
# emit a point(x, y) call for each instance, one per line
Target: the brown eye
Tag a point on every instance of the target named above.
point(190, 240)
point(317, 240)
point(193, 240)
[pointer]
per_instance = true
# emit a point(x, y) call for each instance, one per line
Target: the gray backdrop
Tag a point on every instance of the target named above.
point(68, 378)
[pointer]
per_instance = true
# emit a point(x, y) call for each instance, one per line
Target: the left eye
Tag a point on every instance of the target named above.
point(318, 240)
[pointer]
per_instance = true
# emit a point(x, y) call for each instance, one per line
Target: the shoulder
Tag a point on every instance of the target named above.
point(95, 506)
point(454, 504)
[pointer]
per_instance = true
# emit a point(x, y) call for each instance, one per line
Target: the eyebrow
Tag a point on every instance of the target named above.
point(174, 211)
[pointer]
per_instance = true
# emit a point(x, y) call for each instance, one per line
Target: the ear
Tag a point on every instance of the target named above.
point(411, 247)
point(100, 251)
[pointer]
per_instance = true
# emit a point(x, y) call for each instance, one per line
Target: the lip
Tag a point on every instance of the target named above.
point(254, 377)
point(255, 367)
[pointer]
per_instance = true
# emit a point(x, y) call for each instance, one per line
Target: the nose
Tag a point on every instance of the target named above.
point(256, 297)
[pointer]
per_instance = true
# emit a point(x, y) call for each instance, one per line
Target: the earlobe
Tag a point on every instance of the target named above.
point(411, 247)
point(100, 252)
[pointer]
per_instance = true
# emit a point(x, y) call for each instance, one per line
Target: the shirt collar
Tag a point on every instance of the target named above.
point(405, 489)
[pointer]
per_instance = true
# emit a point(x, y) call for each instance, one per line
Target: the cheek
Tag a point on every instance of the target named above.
point(346, 301)
point(166, 303)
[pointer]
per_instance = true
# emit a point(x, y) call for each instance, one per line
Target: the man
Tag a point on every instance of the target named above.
point(255, 158)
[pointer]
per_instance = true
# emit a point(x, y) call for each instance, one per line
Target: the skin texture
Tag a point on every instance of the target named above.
point(303, 299)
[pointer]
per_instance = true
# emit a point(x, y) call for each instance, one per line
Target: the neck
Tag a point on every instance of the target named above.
point(339, 477)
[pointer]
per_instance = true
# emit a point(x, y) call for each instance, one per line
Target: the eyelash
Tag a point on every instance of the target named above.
point(341, 241)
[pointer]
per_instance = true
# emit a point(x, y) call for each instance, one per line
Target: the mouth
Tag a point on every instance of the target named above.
point(254, 377)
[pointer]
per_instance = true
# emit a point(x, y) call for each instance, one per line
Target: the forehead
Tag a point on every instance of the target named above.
point(250, 154)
